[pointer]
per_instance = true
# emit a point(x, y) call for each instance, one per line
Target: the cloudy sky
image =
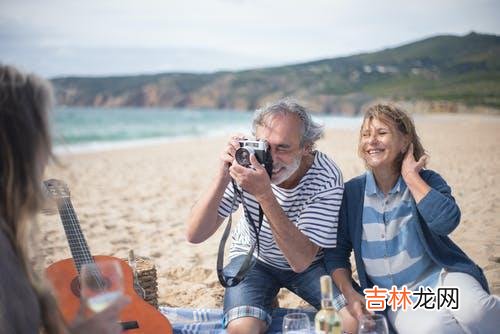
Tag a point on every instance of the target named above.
point(112, 37)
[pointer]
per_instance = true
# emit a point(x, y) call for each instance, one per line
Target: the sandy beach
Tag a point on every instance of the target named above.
point(140, 198)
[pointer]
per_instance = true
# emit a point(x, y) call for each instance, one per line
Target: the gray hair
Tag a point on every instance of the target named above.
point(311, 131)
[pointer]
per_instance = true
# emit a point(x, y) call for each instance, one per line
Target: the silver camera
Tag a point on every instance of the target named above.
point(260, 148)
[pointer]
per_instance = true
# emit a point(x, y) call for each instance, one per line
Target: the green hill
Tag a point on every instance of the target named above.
point(463, 69)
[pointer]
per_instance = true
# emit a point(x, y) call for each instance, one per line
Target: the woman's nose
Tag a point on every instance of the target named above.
point(372, 139)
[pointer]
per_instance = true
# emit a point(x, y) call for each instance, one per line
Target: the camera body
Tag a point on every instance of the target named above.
point(261, 150)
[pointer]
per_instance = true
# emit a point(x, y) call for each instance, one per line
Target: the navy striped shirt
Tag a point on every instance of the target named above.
point(313, 207)
point(390, 247)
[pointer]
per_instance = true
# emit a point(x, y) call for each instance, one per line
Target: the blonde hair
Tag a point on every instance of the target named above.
point(25, 147)
point(403, 123)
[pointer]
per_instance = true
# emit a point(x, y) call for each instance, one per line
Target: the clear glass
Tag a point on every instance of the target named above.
point(101, 283)
point(373, 324)
point(296, 323)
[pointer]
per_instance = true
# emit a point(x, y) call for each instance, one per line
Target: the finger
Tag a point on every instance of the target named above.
point(236, 170)
point(255, 163)
point(358, 309)
point(227, 158)
point(238, 136)
point(422, 162)
point(409, 152)
point(233, 175)
point(237, 167)
point(234, 145)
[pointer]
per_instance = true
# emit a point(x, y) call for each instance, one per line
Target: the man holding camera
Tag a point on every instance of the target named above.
point(299, 195)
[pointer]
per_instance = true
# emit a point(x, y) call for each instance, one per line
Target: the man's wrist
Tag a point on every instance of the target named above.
point(265, 197)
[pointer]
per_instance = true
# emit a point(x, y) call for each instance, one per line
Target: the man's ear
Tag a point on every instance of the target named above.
point(308, 148)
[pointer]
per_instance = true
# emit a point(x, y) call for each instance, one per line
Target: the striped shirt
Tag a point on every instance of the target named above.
point(390, 246)
point(312, 206)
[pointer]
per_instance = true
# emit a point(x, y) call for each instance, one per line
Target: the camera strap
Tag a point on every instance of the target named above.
point(248, 263)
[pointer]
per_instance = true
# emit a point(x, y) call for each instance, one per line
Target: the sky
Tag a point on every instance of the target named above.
point(122, 37)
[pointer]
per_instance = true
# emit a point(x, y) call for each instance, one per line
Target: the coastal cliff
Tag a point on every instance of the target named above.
point(442, 73)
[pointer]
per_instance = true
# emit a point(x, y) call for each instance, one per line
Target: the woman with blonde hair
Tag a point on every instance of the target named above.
point(25, 148)
point(397, 217)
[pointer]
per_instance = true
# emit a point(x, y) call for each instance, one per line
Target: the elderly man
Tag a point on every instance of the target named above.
point(300, 202)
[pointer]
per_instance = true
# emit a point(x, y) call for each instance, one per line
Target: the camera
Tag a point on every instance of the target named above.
point(258, 147)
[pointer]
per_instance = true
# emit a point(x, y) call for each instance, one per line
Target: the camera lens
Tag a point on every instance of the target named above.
point(242, 156)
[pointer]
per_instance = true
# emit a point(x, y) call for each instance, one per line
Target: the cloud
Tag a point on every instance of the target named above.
point(71, 35)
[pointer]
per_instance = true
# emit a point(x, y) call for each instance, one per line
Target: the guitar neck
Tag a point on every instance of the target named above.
point(76, 240)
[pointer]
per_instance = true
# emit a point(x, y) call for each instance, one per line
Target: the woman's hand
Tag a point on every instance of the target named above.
point(356, 304)
point(410, 171)
point(351, 313)
point(105, 322)
point(410, 166)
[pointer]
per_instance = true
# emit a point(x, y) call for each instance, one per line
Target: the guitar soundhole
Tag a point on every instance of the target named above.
point(76, 287)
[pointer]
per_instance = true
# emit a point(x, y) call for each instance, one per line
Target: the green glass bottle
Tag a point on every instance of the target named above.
point(327, 320)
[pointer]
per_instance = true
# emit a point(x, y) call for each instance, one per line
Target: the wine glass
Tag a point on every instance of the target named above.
point(373, 324)
point(296, 323)
point(101, 284)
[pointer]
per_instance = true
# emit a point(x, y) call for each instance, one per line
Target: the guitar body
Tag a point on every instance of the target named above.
point(64, 278)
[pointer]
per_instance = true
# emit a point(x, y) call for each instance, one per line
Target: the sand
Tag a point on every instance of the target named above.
point(140, 198)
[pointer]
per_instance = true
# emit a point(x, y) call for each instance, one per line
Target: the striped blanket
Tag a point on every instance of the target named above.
point(209, 321)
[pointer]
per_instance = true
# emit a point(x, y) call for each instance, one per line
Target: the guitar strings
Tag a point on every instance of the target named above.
point(75, 234)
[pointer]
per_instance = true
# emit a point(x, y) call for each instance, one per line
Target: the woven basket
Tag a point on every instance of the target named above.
point(146, 274)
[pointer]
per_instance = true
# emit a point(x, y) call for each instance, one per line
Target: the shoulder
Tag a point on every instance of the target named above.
point(431, 177)
point(356, 183)
point(325, 168)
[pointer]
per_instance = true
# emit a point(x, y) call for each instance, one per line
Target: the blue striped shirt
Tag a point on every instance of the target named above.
point(390, 247)
point(313, 207)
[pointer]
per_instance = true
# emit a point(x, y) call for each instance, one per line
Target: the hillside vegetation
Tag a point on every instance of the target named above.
point(448, 70)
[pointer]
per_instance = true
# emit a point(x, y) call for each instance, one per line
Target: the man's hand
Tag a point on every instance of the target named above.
point(227, 156)
point(254, 180)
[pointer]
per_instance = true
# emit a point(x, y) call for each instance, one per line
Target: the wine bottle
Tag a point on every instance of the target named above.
point(327, 320)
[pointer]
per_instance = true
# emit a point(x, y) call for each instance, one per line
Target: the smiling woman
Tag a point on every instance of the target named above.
point(397, 218)
point(385, 137)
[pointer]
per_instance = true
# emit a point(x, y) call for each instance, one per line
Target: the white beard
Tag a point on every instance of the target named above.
point(286, 172)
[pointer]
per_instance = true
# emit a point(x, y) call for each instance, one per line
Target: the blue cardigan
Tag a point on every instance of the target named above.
point(438, 215)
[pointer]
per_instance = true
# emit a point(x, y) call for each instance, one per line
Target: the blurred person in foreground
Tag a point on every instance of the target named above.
point(300, 202)
point(397, 217)
point(26, 306)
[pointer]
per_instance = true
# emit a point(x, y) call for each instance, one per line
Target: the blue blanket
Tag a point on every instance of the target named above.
point(209, 321)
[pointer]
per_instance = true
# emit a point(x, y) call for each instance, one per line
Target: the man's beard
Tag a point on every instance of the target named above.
point(286, 172)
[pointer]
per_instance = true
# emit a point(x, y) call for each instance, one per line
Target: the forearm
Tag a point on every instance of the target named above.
point(418, 187)
point(343, 280)
point(296, 246)
point(204, 219)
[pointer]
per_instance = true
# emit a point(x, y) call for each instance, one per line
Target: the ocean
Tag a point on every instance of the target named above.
point(77, 129)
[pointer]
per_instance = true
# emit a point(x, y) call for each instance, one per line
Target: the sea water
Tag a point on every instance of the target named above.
point(88, 128)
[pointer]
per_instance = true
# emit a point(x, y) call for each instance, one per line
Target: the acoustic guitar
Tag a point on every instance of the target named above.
point(137, 317)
